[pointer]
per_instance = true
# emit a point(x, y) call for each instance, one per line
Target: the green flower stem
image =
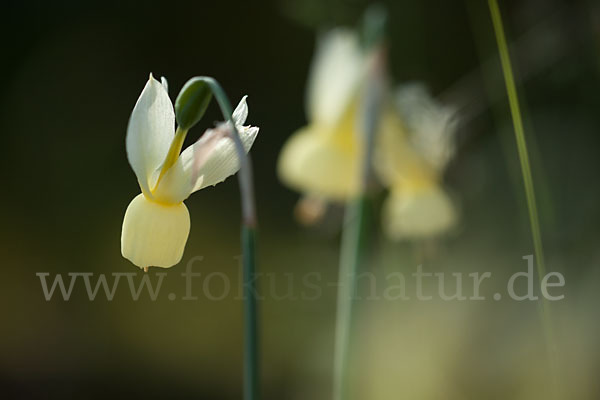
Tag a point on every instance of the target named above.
point(527, 176)
point(351, 253)
point(251, 363)
point(251, 356)
point(354, 230)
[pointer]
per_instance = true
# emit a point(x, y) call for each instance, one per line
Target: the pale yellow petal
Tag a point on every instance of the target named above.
point(422, 211)
point(320, 164)
point(395, 160)
point(154, 235)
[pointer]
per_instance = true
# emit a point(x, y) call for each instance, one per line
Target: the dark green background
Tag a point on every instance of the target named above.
point(71, 73)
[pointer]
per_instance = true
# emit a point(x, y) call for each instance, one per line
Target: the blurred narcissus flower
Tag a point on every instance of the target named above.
point(413, 144)
point(157, 223)
point(412, 167)
point(322, 159)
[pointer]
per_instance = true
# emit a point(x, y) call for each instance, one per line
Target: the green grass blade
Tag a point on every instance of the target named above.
point(515, 110)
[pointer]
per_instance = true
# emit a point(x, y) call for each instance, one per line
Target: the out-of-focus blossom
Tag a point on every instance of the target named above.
point(414, 212)
point(432, 126)
point(157, 223)
point(413, 144)
point(322, 159)
point(412, 166)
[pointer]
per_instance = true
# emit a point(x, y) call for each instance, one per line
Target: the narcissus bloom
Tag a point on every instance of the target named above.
point(157, 223)
point(412, 165)
point(322, 159)
point(413, 144)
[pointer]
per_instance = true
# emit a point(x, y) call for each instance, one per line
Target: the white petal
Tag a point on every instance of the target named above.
point(337, 69)
point(154, 235)
point(181, 179)
point(150, 132)
point(432, 125)
point(223, 161)
point(240, 114)
point(207, 162)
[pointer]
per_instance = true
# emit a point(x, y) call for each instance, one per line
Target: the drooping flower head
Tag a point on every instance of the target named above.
point(322, 158)
point(157, 223)
point(412, 167)
point(413, 143)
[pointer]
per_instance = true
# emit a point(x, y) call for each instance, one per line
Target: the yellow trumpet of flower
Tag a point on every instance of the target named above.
point(157, 222)
point(413, 144)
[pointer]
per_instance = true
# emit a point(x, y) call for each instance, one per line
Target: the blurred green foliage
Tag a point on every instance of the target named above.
point(72, 72)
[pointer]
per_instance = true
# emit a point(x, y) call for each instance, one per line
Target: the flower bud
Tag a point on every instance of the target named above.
point(192, 102)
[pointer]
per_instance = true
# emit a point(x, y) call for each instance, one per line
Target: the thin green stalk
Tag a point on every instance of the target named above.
point(350, 259)
point(251, 355)
point(519, 134)
point(467, 92)
point(354, 231)
point(251, 363)
point(527, 176)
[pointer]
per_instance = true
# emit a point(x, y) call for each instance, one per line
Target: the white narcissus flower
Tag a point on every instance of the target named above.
point(157, 223)
point(432, 125)
point(413, 144)
point(322, 159)
point(418, 206)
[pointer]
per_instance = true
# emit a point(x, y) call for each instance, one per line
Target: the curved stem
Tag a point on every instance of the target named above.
point(245, 173)
point(251, 357)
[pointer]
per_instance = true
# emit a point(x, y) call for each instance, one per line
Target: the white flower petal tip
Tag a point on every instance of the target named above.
point(164, 82)
point(418, 213)
point(312, 163)
point(149, 133)
point(240, 114)
point(154, 235)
